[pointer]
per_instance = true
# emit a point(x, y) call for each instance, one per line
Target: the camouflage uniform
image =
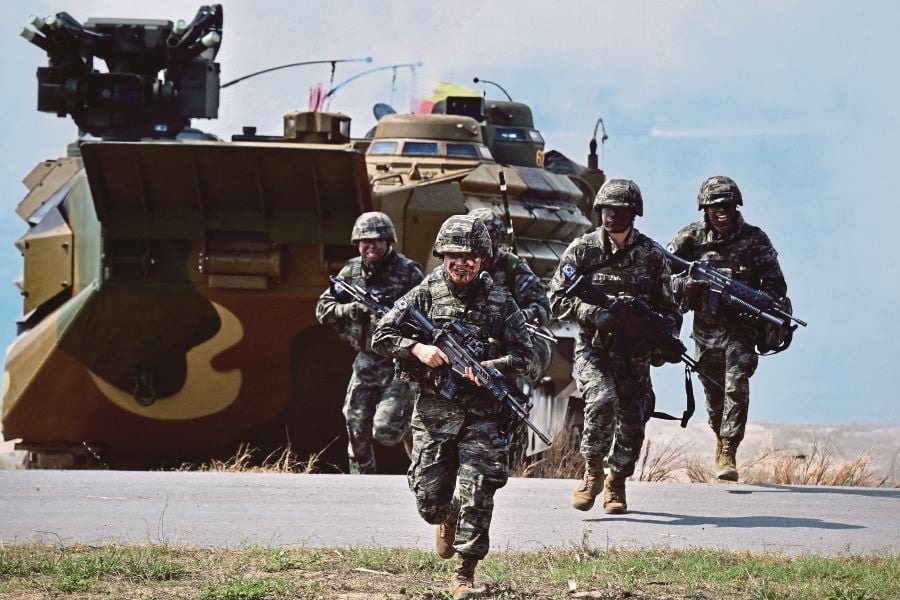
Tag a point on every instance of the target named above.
point(724, 343)
point(513, 273)
point(459, 455)
point(614, 381)
point(375, 404)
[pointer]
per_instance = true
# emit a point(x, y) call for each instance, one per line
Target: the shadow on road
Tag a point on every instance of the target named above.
point(660, 518)
point(851, 491)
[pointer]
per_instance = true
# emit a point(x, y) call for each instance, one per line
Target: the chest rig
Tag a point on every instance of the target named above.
point(477, 318)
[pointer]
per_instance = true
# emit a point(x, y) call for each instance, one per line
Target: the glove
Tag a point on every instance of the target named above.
point(659, 357)
point(355, 311)
point(607, 326)
point(694, 288)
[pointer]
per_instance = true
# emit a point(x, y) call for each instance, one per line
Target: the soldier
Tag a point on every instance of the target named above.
point(724, 342)
point(459, 453)
point(374, 401)
point(614, 379)
point(513, 273)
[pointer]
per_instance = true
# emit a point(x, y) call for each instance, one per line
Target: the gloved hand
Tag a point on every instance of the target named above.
point(694, 289)
point(355, 311)
point(659, 357)
point(607, 326)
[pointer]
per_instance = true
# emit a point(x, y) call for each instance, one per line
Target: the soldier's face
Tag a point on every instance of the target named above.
point(373, 250)
point(722, 217)
point(462, 267)
point(616, 219)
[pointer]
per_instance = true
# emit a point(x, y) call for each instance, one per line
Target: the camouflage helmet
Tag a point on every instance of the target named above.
point(495, 225)
point(373, 226)
point(620, 192)
point(718, 190)
point(463, 233)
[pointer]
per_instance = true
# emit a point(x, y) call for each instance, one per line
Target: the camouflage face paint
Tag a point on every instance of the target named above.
point(616, 219)
point(373, 251)
point(462, 267)
point(722, 217)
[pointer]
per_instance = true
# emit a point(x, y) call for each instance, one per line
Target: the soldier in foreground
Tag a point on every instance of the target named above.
point(374, 402)
point(460, 454)
point(613, 375)
point(724, 340)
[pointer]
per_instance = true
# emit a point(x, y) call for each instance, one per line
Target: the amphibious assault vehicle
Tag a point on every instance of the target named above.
point(170, 278)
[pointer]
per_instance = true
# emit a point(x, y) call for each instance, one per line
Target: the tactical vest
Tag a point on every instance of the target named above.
point(389, 281)
point(482, 314)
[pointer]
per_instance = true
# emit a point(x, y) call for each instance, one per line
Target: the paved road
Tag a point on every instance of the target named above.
point(230, 509)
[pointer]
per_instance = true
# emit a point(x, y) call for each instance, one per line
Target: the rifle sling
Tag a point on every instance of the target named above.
point(689, 411)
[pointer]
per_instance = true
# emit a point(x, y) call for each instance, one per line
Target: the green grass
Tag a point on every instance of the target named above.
point(258, 573)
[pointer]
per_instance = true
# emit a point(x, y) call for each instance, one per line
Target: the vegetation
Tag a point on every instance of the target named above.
point(160, 571)
point(668, 461)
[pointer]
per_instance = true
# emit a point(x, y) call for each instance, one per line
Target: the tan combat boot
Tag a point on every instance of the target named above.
point(583, 498)
point(726, 461)
point(445, 536)
point(462, 582)
point(614, 495)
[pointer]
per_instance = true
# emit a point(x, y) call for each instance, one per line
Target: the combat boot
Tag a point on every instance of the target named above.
point(445, 535)
point(614, 495)
point(462, 582)
point(726, 459)
point(591, 482)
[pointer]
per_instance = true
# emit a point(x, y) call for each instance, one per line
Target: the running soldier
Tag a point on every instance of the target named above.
point(513, 273)
point(614, 379)
point(723, 340)
point(375, 404)
point(460, 455)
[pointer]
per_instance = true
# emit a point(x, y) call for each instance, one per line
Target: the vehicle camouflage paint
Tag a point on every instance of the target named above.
point(170, 278)
point(169, 286)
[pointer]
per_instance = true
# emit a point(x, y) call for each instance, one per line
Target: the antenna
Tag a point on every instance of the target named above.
point(477, 80)
point(412, 66)
point(333, 62)
point(592, 157)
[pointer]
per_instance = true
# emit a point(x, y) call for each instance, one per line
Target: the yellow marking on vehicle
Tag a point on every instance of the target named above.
point(205, 391)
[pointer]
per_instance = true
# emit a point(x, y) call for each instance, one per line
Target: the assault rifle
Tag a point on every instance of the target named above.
point(641, 325)
point(738, 295)
point(358, 293)
point(461, 347)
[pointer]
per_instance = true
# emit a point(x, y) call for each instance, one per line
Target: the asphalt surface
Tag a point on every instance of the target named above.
point(233, 509)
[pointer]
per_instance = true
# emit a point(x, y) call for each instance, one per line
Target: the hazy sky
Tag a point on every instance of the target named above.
point(797, 101)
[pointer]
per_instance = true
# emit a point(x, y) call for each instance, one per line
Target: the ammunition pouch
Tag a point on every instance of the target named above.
point(772, 338)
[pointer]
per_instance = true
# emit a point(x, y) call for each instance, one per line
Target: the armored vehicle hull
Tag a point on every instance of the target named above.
point(169, 303)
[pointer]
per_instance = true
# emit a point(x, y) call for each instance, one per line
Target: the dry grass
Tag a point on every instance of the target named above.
point(247, 460)
point(562, 461)
point(789, 466)
point(663, 460)
point(662, 463)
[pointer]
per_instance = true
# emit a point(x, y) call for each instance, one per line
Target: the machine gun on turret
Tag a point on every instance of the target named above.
point(129, 101)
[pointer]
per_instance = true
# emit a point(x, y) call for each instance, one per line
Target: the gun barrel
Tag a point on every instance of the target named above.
point(535, 331)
